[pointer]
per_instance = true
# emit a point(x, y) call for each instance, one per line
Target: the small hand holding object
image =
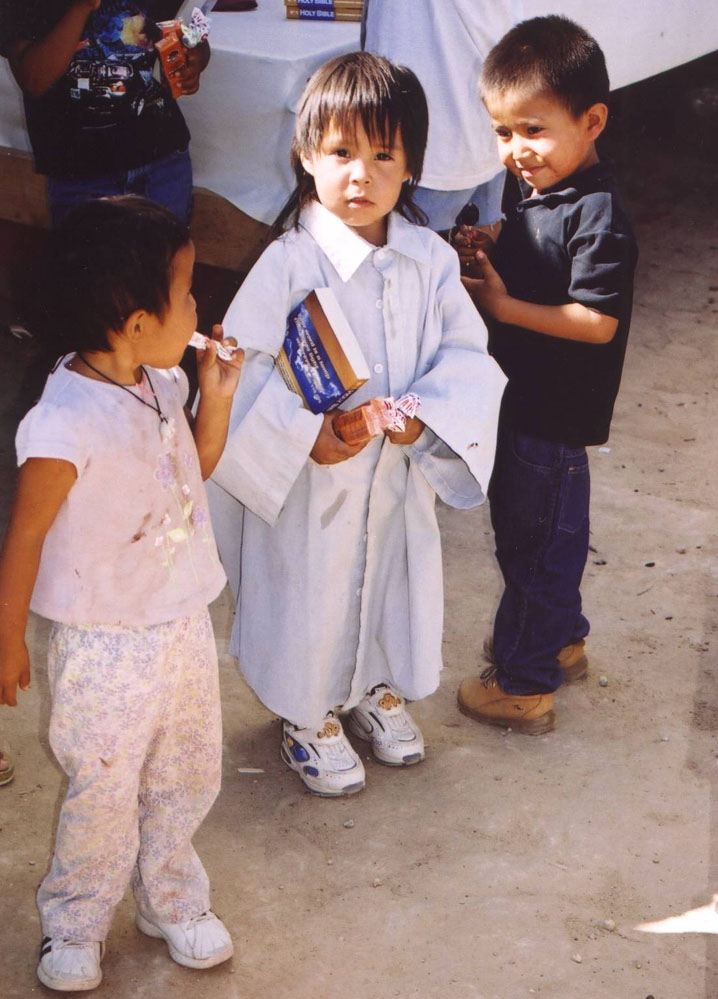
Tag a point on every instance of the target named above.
point(411, 432)
point(329, 449)
point(406, 427)
point(396, 418)
point(219, 364)
point(488, 290)
point(195, 61)
point(466, 241)
point(466, 238)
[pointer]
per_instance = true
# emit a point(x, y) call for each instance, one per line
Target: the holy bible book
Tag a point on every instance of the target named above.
point(321, 359)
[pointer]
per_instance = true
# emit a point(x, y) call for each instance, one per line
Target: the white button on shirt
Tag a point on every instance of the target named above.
point(378, 368)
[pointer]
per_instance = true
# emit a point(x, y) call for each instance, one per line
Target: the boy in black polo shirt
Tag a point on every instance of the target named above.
point(558, 303)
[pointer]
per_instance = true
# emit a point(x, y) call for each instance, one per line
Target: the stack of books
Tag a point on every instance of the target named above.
point(324, 10)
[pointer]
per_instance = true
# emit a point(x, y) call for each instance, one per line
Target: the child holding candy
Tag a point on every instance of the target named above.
point(334, 547)
point(109, 538)
point(99, 122)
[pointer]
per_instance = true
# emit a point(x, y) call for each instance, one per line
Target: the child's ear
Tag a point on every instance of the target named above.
point(134, 327)
point(307, 164)
point(597, 116)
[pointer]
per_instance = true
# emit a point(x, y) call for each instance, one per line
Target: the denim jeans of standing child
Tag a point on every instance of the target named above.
point(168, 181)
point(539, 495)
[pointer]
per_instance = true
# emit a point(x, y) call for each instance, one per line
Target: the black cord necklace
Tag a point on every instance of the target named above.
point(155, 408)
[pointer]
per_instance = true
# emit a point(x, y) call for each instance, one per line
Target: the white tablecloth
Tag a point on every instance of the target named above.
point(242, 119)
point(12, 114)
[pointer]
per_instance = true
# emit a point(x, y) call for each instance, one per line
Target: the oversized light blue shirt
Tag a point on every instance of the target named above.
point(338, 567)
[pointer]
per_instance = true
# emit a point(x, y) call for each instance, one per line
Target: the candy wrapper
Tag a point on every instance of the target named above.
point(175, 39)
point(197, 29)
point(361, 424)
point(224, 350)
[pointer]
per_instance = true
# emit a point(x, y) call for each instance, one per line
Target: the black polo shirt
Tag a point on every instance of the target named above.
point(572, 243)
point(107, 113)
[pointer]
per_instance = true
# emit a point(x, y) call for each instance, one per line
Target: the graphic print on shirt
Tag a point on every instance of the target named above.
point(186, 518)
point(110, 74)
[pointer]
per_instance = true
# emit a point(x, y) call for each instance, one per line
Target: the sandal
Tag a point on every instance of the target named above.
point(7, 770)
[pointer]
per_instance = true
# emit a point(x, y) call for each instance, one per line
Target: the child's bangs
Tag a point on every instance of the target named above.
point(346, 101)
point(380, 130)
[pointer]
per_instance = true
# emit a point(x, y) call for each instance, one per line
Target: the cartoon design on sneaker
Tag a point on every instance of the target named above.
point(324, 759)
point(381, 718)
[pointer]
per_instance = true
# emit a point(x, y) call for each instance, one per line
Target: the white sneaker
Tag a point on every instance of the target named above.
point(200, 942)
point(70, 965)
point(324, 759)
point(382, 719)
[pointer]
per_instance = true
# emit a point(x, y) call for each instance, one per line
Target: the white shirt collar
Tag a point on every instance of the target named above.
point(347, 250)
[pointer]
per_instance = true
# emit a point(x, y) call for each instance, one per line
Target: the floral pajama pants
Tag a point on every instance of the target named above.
point(136, 726)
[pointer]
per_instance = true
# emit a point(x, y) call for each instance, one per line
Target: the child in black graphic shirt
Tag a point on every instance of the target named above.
point(99, 122)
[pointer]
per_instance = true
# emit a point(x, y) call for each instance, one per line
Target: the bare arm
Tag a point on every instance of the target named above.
point(43, 485)
point(38, 65)
point(217, 384)
point(572, 321)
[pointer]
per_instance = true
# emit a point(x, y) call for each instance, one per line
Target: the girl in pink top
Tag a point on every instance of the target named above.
point(109, 537)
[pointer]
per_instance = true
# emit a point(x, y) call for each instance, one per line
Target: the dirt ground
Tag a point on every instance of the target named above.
point(504, 866)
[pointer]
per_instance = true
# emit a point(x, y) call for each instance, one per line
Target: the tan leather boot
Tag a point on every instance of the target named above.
point(481, 698)
point(572, 659)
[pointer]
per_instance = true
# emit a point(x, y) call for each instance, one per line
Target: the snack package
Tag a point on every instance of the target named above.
point(356, 426)
point(197, 29)
point(175, 39)
point(224, 350)
point(172, 54)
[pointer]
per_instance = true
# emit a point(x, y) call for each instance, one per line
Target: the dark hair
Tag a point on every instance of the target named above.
point(359, 88)
point(106, 259)
point(548, 55)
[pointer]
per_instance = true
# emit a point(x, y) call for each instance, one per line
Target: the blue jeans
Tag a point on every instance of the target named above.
point(167, 181)
point(539, 495)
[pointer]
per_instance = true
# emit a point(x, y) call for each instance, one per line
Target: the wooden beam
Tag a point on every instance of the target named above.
point(23, 193)
point(223, 234)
